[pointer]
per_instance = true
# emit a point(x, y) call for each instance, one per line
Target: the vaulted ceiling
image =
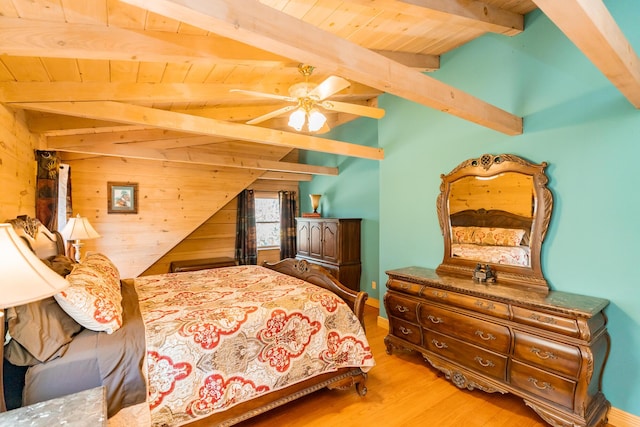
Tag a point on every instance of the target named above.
point(153, 79)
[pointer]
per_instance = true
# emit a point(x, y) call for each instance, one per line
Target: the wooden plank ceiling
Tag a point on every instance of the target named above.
point(153, 79)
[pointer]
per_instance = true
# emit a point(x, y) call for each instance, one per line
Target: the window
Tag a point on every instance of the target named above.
point(267, 221)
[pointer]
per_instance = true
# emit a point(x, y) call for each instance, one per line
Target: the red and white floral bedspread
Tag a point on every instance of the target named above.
point(219, 337)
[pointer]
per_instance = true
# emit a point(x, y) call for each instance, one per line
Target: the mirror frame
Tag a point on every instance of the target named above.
point(529, 277)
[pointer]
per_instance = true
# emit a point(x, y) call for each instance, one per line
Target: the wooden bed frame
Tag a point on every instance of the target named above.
point(342, 379)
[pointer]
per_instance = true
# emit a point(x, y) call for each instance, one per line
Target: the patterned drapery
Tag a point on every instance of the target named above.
point(288, 210)
point(246, 242)
point(47, 188)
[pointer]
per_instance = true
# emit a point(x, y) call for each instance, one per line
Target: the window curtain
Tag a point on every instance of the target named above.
point(47, 188)
point(288, 211)
point(246, 241)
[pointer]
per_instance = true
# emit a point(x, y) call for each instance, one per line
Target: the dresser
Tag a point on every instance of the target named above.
point(550, 349)
point(333, 243)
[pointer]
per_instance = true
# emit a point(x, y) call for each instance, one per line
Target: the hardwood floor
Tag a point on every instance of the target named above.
point(403, 390)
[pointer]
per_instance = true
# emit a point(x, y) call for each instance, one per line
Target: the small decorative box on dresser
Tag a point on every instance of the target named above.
point(548, 349)
point(333, 243)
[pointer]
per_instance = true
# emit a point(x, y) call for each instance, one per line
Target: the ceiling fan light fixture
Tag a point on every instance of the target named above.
point(316, 120)
point(297, 119)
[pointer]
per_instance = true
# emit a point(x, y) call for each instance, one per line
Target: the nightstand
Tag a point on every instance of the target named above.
point(84, 409)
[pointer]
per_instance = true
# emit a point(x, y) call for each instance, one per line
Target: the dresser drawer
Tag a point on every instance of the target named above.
point(542, 384)
point(405, 330)
point(549, 355)
point(402, 308)
point(550, 322)
point(467, 355)
point(404, 287)
point(470, 302)
point(475, 331)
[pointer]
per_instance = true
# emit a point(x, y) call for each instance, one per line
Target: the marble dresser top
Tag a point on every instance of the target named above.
point(84, 409)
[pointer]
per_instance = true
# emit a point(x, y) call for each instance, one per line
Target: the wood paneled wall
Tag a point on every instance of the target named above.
point(175, 200)
point(17, 165)
point(217, 236)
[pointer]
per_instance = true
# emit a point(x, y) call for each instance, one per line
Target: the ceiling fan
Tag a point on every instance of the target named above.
point(308, 98)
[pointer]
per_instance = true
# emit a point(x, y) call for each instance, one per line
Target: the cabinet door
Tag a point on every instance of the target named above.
point(302, 236)
point(315, 239)
point(330, 242)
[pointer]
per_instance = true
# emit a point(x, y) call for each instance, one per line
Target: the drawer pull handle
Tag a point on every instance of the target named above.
point(486, 306)
point(486, 337)
point(485, 363)
point(439, 344)
point(405, 331)
point(541, 319)
point(438, 294)
point(401, 309)
point(405, 286)
point(434, 319)
point(543, 386)
point(544, 355)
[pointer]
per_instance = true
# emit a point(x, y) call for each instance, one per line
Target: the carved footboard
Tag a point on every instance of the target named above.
point(320, 276)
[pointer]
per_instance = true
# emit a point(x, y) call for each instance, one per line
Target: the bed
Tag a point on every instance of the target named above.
point(493, 236)
point(211, 347)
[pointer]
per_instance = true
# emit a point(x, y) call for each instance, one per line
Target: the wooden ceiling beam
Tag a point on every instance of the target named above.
point(133, 114)
point(481, 14)
point(590, 26)
point(422, 63)
point(220, 93)
point(196, 157)
point(251, 22)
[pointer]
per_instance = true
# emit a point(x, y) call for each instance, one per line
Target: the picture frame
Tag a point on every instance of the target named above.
point(122, 197)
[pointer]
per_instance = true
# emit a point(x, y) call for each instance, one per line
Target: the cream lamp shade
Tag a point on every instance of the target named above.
point(78, 229)
point(24, 279)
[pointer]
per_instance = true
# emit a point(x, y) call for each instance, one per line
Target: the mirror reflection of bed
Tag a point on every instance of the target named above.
point(494, 210)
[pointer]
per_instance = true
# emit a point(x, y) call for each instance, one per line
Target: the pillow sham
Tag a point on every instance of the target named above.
point(93, 297)
point(494, 236)
point(40, 331)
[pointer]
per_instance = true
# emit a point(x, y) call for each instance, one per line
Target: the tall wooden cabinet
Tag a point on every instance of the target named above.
point(333, 243)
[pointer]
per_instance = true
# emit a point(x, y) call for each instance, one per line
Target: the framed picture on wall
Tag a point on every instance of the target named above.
point(122, 197)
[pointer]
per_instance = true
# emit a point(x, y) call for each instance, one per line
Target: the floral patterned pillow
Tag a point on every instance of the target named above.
point(93, 297)
point(494, 236)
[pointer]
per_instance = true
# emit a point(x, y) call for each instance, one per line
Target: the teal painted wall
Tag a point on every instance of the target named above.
point(352, 194)
point(574, 119)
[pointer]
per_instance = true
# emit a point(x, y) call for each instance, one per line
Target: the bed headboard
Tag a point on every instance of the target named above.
point(41, 241)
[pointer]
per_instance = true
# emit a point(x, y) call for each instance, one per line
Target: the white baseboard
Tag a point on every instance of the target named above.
point(617, 417)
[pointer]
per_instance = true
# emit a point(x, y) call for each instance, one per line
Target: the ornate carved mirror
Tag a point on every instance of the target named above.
point(495, 211)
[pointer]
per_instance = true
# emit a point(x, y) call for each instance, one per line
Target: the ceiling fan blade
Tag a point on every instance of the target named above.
point(272, 114)
point(265, 95)
point(360, 110)
point(331, 85)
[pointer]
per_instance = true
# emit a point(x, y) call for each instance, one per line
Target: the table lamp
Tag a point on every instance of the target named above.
point(78, 229)
point(24, 279)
